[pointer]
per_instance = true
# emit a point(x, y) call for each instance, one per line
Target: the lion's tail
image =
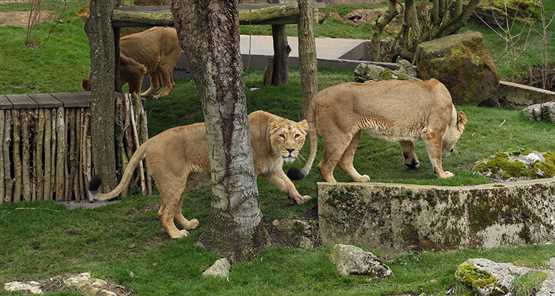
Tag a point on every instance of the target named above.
point(95, 183)
point(294, 173)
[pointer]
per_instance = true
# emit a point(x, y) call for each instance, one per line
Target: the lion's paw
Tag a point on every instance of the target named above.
point(193, 223)
point(179, 234)
point(446, 175)
point(363, 179)
point(303, 199)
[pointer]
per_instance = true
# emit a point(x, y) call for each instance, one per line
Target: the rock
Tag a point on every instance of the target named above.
point(25, 287)
point(364, 72)
point(487, 277)
point(541, 112)
point(516, 95)
point(353, 260)
point(510, 166)
point(88, 286)
point(494, 12)
point(463, 63)
point(293, 232)
point(363, 16)
point(220, 269)
point(548, 286)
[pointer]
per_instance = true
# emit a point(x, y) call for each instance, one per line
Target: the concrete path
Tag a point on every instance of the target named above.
point(326, 48)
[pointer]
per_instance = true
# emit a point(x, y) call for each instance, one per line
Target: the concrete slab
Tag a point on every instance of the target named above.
point(326, 48)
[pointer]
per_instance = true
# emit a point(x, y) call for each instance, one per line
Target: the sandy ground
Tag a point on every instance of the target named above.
point(20, 18)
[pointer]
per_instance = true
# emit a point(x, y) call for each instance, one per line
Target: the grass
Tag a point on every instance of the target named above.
point(525, 284)
point(125, 243)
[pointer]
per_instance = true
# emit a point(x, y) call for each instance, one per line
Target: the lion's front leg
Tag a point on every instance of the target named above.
point(433, 141)
point(409, 154)
point(283, 183)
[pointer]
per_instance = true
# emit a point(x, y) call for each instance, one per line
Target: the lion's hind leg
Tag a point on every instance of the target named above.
point(170, 201)
point(335, 144)
point(181, 220)
point(346, 162)
point(409, 154)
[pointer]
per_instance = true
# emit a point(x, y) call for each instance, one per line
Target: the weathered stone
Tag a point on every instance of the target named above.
point(512, 94)
point(548, 286)
point(293, 232)
point(495, 12)
point(463, 63)
point(505, 166)
point(394, 217)
point(364, 72)
point(351, 260)
point(220, 269)
point(25, 287)
point(541, 112)
point(363, 16)
point(488, 277)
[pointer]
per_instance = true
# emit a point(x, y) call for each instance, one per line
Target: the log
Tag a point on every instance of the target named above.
point(70, 130)
point(307, 53)
point(26, 161)
point(17, 155)
point(280, 69)
point(39, 145)
point(60, 154)
point(89, 167)
point(8, 180)
point(54, 151)
point(129, 16)
point(137, 143)
point(85, 162)
point(2, 176)
point(81, 151)
point(73, 158)
point(46, 192)
point(143, 140)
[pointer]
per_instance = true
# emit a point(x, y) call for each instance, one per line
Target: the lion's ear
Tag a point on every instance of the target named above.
point(461, 120)
point(303, 125)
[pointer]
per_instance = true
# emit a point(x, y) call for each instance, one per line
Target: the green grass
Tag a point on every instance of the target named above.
point(525, 284)
point(125, 243)
point(59, 62)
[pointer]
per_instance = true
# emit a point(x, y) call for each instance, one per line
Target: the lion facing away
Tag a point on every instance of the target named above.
point(176, 155)
point(398, 110)
point(157, 51)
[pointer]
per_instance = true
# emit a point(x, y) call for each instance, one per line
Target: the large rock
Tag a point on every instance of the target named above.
point(31, 287)
point(462, 63)
point(83, 283)
point(293, 232)
point(220, 269)
point(393, 217)
point(541, 112)
point(364, 72)
point(353, 260)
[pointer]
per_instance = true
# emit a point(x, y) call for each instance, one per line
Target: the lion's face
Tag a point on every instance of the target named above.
point(287, 138)
point(454, 131)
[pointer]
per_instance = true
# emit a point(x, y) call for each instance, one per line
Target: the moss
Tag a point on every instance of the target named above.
point(524, 285)
point(502, 166)
point(473, 277)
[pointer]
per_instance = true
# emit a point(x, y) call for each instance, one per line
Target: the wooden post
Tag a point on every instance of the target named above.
point(39, 145)
point(46, 192)
point(103, 64)
point(280, 71)
point(54, 152)
point(26, 160)
point(17, 155)
point(2, 128)
point(8, 180)
point(307, 53)
point(60, 154)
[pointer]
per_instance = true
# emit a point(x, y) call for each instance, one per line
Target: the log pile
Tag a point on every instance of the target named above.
point(45, 152)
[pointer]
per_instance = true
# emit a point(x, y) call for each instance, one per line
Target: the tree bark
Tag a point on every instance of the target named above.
point(307, 53)
point(209, 33)
point(101, 36)
point(280, 69)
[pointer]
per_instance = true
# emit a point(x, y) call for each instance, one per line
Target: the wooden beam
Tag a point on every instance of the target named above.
point(146, 16)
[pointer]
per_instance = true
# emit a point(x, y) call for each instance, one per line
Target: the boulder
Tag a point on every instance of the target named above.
point(351, 260)
point(494, 12)
point(364, 72)
point(220, 269)
point(487, 277)
point(462, 63)
point(541, 112)
point(24, 287)
point(293, 232)
point(363, 16)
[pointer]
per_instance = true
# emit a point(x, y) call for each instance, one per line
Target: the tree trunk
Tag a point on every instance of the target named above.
point(280, 70)
point(209, 33)
point(101, 36)
point(307, 53)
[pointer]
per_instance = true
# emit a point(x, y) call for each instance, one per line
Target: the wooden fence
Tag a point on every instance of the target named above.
point(46, 145)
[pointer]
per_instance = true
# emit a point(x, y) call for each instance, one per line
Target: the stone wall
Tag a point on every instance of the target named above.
point(394, 217)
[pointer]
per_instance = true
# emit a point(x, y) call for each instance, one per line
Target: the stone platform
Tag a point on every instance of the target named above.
point(397, 217)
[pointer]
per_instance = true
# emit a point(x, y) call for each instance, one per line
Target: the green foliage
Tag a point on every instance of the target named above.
point(503, 165)
point(473, 277)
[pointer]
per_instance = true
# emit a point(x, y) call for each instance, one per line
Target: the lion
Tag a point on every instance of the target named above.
point(178, 155)
point(130, 72)
point(396, 110)
point(158, 50)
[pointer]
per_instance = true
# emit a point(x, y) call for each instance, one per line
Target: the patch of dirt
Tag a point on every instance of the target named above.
point(21, 18)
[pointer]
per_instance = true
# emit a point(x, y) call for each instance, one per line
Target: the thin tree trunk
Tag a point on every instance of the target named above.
point(101, 35)
point(307, 53)
point(280, 69)
point(209, 33)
